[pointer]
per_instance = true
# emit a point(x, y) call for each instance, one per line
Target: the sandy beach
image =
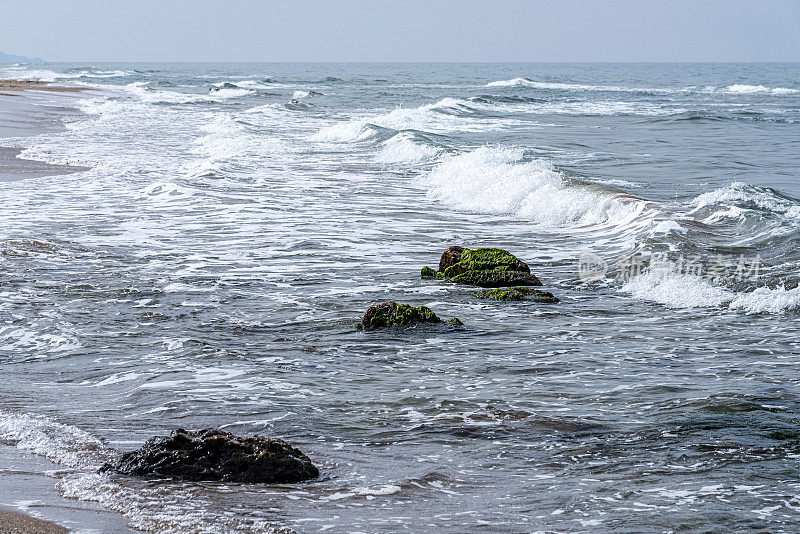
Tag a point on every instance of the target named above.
point(11, 521)
point(15, 86)
point(22, 114)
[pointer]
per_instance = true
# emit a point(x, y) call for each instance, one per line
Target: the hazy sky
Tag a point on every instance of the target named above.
point(402, 30)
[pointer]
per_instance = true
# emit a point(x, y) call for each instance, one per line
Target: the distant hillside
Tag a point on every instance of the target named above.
point(11, 58)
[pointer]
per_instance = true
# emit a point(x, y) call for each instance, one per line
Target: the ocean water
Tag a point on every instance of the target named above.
point(237, 219)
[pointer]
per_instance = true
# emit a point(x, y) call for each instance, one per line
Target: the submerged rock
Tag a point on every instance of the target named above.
point(391, 313)
point(216, 455)
point(483, 267)
point(517, 293)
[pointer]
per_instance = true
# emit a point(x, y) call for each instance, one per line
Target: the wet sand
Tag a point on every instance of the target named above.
point(28, 488)
point(11, 86)
point(26, 113)
point(13, 168)
point(11, 521)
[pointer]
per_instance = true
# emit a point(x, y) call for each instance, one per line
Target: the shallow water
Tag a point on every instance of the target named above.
point(210, 267)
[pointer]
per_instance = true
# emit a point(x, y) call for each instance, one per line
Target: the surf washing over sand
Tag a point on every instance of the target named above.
point(207, 266)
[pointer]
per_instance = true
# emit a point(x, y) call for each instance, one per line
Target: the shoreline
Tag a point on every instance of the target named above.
point(25, 114)
point(13, 168)
point(30, 497)
point(30, 501)
point(36, 85)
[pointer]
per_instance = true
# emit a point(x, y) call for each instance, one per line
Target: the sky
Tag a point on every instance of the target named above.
point(402, 30)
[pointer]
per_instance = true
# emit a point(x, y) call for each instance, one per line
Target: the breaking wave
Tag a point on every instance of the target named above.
point(499, 181)
point(406, 147)
point(676, 290)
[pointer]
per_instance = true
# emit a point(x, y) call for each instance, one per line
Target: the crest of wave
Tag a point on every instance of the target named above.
point(403, 149)
point(496, 180)
point(742, 194)
point(525, 82)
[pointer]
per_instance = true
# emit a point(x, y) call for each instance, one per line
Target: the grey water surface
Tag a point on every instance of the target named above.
point(209, 268)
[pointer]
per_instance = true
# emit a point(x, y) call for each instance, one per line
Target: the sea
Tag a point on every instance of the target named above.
point(210, 265)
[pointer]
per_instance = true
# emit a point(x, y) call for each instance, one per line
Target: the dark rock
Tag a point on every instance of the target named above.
point(455, 321)
point(216, 455)
point(390, 313)
point(518, 293)
point(483, 267)
point(450, 257)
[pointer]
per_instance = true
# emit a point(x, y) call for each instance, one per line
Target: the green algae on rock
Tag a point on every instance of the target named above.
point(517, 293)
point(390, 313)
point(483, 267)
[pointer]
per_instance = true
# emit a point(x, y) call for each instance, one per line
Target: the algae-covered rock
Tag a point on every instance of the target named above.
point(518, 293)
point(427, 272)
point(496, 279)
point(483, 267)
point(455, 321)
point(390, 313)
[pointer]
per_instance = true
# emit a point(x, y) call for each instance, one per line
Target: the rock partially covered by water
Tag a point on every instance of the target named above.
point(390, 313)
point(517, 293)
point(483, 267)
point(216, 455)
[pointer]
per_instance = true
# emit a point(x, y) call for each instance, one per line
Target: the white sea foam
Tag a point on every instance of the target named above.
point(386, 489)
point(676, 290)
point(157, 96)
point(45, 75)
point(164, 508)
point(590, 108)
point(732, 89)
point(63, 444)
point(498, 181)
point(769, 300)
point(581, 107)
point(298, 95)
point(616, 182)
point(752, 89)
point(159, 508)
point(226, 139)
point(356, 130)
point(228, 92)
point(403, 149)
point(525, 82)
